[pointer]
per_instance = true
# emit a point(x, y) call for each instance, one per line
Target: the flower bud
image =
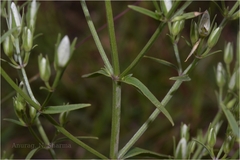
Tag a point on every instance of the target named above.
point(8, 47)
point(16, 19)
point(63, 118)
point(44, 68)
point(32, 12)
point(63, 52)
point(204, 25)
point(228, 53)
point(211, 138)
point(213, 38)
point(231, 103)
point(177, 27)
point(193, 33)
point(32, 112)
point(27, 39)
point(220, 75)
point(228, 143)
point(184, 131)
point(165, 5)
point(235, 78)
point(181, 151)
point(20, 108)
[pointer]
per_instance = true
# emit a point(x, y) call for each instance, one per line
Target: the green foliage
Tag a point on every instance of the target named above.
point(37, 112)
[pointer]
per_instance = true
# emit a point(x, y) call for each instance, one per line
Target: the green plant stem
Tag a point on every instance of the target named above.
point(155, 113)
point(55, 83)
point(116, 91)
point(30, 93)
point(175, 47)
point(95, 37)
point(144, 50)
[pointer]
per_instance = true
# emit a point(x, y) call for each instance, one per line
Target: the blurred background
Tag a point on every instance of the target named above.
point(194, 103)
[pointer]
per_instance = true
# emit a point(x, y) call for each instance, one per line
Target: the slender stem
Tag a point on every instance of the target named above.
point(29, 90)
point(112, 37)
point(175, 47)
point(116, 91)
point(154, 115)
point(95, 36)
point(144, 50)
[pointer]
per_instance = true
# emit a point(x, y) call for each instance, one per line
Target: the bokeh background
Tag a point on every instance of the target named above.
point(194, 103)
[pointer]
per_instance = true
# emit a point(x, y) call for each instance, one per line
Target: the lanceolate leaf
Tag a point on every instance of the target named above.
point(184, 77)
point(139, 85)
point(97, 73)
point(15, 121)
point(63, 108)
point(144, 11)
point(166, 63)
point(32, 152)
point(231, 120)
point(143, 152)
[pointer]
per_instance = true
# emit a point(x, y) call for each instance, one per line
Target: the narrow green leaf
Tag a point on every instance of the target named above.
point(139, 151)
point(184, 77)
point(231, 120)
point(14, 121)
point(8, 33)
point(166, 63)
point(97, 73)
point(139, 85)
point(32, 152)
point(144, 11)
point(202, 145)
point(63, 108)
point(79, 137)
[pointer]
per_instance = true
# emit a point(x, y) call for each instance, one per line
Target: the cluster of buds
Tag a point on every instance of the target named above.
point(13, 42)
point(21, 108)
point(184, 147)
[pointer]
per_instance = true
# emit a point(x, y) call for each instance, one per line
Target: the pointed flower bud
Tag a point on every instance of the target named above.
point(220, 75)
point(184, 131)
point(63, 118)
point(27, 39)
point(181, 151)
point(235, 78)
point(213, 38)
point(20, 108)
point(211, 138)
point(194, 33)
point(8, 47)
point(204, 25)
point(228, 53)
point(44, 68)
point(16, 19)
point(177, 27)
point(32, 113)
point(32, 12)
point(228, 143)
point(63, 52)
point(165, 5)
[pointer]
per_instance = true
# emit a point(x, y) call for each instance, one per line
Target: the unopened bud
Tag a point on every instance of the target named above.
point(8, 47)
point(63, 52)
point(233, 83)
point(220, 75)
point(181, 151)
point(177, 27)
point(211, 138)
point(228, 53)
point(27, 39)
point(44, 68)
point(228, 143)
point(213, 38)
point(204, 25)
point(16, 19)
point(184, 131)
point(63, 118)
point(231, 103)
point(32, 112)
point(165, 5)
point(194, 33)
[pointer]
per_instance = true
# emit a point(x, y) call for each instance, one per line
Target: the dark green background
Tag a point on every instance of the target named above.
point(194, 103)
